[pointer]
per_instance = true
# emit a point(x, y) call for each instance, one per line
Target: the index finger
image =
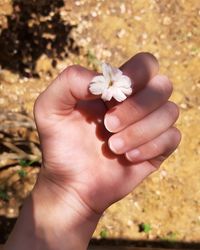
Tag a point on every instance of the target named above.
point(140, 68)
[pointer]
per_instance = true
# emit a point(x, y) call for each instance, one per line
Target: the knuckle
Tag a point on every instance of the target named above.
point(37, 107)
point(165, 85)
point(148, 56)
point(158, 161)
point(70, 74)
point(173, 110)
point(176, 136)
point(155, 147)
point(71, 71)
point(148, 59)
point(130, 104)
point(137, 132)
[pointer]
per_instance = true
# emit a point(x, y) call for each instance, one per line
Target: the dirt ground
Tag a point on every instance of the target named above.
point(168, 202)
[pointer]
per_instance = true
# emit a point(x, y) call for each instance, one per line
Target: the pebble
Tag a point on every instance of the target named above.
point(138, 18)
point(177, 52)
point(129, 223)
point(158, 192)
point(123, 8)
point(136, 204)
point(93, 14)
point(162, 36)
point(167, 20)
point(163, 173)
point(183, 105)
point(121, 33)
point(78, 3)
point(189, 34)
point(11, 212)
point(106, 53)
point(157, 55)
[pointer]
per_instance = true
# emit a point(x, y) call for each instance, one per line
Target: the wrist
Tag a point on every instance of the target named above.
point(62, 215)
point(53, 218)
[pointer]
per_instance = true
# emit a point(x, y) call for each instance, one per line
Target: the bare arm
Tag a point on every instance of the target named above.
point(94, 153)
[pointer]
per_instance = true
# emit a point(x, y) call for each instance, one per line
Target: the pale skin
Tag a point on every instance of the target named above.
point(83, 171)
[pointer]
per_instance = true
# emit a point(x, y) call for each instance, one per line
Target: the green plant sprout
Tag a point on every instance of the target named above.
point(22, 173)
point(25, 163)
point(104, 233)
point(3, 195)
point(145, 227)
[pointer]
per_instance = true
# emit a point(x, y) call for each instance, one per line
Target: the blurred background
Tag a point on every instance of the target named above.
point(40, 38)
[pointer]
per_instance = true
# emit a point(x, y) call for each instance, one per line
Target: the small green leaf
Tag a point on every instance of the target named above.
point(104, 233)
point(145, 227)
point(91, 57)
point(3, 195)
point(25, 163)
point(22, 173)
point(194, 49)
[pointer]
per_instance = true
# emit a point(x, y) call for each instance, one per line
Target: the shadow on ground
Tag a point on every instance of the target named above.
point(34, 28)
point(164, 244)
point(6, 225)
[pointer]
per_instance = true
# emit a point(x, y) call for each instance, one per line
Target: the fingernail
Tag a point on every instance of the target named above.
point(116, 144)
point(133, 154)
point(111, 122)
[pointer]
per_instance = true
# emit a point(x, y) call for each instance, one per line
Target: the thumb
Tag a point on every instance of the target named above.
point(63, 93)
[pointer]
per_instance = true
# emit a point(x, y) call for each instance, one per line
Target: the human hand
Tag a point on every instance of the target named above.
point(74, 140)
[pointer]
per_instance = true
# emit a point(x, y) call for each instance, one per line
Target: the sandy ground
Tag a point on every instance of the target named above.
point(113, 31)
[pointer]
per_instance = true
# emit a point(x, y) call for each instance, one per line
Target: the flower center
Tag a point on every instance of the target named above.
point(111, 83)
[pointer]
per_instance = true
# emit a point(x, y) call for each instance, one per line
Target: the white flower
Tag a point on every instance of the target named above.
point(111, 84)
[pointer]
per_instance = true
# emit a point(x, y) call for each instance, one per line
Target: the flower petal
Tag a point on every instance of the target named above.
point(97, 79)
point(127, 91)
point(96, 88)
point(119, 95)
point(107, 94)
point(107, 71)
point(116, 73)
point(123, 81)
point(98, 85)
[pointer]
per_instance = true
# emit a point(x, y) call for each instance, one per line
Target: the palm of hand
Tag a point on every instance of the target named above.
point(76, 155)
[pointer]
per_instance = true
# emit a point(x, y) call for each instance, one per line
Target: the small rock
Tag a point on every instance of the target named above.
point(138, 18)
point(93, 14)
point(121, 33)
point(157, 192)
point(136, 204)
point(163, 173)
point(167, 20)
point(162, 36)
point(11, 213)
point(144, 35)
point(183, 106)
point(129, 223)
point(123, 8)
